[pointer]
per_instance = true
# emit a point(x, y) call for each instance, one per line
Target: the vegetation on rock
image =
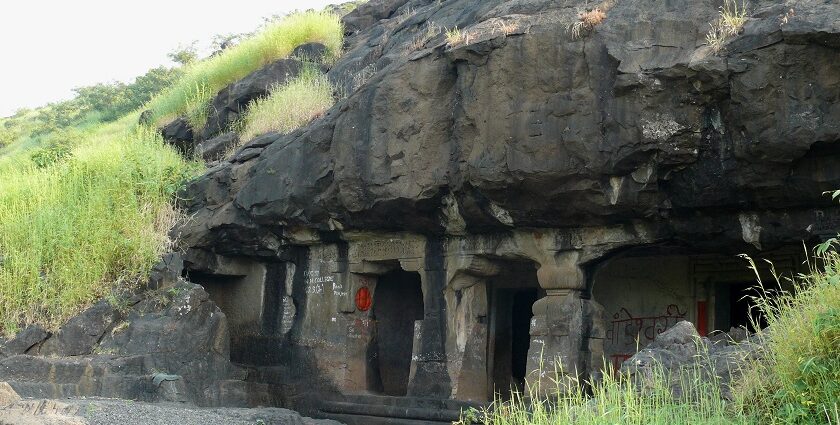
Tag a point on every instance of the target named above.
point(83, 219)
point(86, 197)
point(191, 95)
point(289, 105)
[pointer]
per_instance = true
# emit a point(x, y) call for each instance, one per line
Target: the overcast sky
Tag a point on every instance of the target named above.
point(50, 47)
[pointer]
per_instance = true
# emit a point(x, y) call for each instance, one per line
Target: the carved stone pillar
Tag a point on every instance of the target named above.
point(561, 326)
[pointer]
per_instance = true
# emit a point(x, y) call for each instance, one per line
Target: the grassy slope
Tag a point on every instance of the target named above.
point(192, 94)
point(71, 231)
point(97, 216)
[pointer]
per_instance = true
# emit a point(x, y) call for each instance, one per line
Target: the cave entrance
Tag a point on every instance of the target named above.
point(735, 307)
point(397, 304)
point(512, 297)
point(238, 289)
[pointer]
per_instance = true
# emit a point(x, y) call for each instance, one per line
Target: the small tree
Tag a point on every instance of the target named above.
point(184, 55)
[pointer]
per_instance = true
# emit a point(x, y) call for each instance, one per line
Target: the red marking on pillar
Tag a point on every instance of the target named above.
point(363, 299)
point(702, 321)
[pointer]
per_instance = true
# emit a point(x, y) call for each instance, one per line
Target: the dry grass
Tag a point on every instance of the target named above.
point(457, 36)
point(586, 21)
point(430, 31)
point(729, 23)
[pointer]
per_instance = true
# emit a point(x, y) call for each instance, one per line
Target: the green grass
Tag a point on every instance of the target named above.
point(797, 382)
point(288, 106)
point(800, 381)
point(74, 229)
point(191, 95)
point(615, 400)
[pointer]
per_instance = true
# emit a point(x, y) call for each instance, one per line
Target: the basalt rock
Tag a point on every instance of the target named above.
point(179, 133)
point(170, 344)
point(680, 354)
point(518, 184)
point(529, 127)
point(227, 106)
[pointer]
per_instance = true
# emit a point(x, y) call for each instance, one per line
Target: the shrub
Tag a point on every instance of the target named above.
point(288, 106)
point(191, 95)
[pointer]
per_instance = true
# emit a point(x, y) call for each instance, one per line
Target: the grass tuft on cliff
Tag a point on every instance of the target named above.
point(288, 106)
point(79, 221)
point(191, 95)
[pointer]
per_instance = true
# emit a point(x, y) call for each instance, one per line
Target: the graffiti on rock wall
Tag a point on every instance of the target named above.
point(628, 332)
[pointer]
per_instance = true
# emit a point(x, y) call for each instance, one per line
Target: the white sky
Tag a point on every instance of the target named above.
point(50, 47)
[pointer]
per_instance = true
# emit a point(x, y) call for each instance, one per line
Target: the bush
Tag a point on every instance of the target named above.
point(74, 229)
point(288, 106)
point(191, 95)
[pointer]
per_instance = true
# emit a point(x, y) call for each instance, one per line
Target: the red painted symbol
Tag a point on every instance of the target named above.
point(363, 299)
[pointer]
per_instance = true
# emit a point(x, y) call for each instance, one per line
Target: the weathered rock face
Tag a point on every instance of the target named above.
point(520, 148)
point(167, 345)
point(680, 352)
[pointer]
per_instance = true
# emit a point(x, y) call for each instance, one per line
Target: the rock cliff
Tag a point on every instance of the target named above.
point(518, 124)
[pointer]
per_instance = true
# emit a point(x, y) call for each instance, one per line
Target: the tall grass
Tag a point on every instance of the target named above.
point(288, 106)
point(616, 400)
point(73, 229)
point(191, 95)
point(799, 382)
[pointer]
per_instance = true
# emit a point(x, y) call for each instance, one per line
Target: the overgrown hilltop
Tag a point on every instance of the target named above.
point(86, 195)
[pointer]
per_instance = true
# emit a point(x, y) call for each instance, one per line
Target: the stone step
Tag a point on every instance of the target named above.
point(431, 403)
point(378, 420)
point(375, 409)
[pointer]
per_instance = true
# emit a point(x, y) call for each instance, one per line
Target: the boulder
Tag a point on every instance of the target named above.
point(169, 344)
point(310, 52)
point(179, 133)
point(26, 340)
point(228, 105)
point(214, 149)
point(80, 335)
point(681, 350)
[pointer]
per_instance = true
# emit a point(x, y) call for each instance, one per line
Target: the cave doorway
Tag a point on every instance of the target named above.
point(238, 289)
point(397, 304)
point(736, 308)
point(512, 297)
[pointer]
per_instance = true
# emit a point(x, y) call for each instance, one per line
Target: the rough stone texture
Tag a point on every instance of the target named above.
point(231, 101)
point(682, 348)
point(519, 144)
point(310, 52)
point(636, 122)
point(171, 344)
point(27, 339)
point(179, 133)
point(215, 148)
point(82, 333)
